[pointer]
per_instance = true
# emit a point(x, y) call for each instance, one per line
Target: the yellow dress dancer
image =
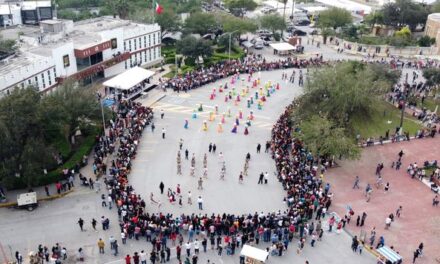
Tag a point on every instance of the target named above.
point(211, 116)
point(243, 92)
point(220, 128)
point(260, 93)
point(205, 126)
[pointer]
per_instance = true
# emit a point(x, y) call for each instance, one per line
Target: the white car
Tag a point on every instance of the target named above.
point(259, 44)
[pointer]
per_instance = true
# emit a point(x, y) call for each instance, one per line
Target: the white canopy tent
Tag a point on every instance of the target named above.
point(130, 83)
point(129, 78)
point(254, 255)
point(282, 48)
point(390, 254)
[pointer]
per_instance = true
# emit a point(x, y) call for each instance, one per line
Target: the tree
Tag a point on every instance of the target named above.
point(7, 45)
point(191, 47)
point(323, 138)
point(432, 76)
point(426, 41)
point(122, 8)
point(240, 7)
point(273, 22)
point(334, 18)
point(201, 23)
point(435, 7)
point(238, 25)
point(169, 22)
point(346, 90)
point(404, 12)
point(374, 18)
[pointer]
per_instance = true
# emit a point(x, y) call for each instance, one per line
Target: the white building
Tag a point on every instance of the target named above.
point(17, 12)
point(86, 51)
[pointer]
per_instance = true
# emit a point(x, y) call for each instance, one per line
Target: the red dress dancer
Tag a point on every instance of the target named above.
point(278, 86)
point(246, 131)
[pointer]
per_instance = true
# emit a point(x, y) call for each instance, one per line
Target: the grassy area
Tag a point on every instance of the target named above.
point(430, 103)
point(183, 70)
point(385, 117)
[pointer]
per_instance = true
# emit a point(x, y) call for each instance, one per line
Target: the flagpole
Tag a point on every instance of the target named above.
point(154, 11)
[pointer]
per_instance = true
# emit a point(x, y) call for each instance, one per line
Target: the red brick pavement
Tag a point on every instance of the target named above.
point(419, 222)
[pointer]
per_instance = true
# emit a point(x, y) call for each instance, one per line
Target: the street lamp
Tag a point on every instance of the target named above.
point(229, 50)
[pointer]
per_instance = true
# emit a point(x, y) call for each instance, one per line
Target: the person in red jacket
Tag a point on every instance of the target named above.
point(136, 258)
point(128, 259)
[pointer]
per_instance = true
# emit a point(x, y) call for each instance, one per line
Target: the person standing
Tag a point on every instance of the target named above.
point(81, 223)
point(101, 246)
point(162, 114)
point(115, 248)
point(143, 257)
point(399, 211)
point(94, 222)
point(152, 127)
point(189, 197)
point(18, 257)
point(267, 147)
point(136, 258)
point(210, 147)
point(416, 255)
point(200, 202)
point(163, 133)
point(186, 154)
point(178, 252)
point(46, 189)
point(188, 249)
point(214, 147)
point(127, 259)
point(261, 178)
point(258, 148)
point(161, 187)
point(200, 184)
point(364, 216)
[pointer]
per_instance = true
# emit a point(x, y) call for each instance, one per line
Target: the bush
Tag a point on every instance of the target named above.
point(426, 41)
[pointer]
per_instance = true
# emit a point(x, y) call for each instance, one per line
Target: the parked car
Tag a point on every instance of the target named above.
point(263, 32)
point(259, 44)
point(302, 23)
point(297, 32)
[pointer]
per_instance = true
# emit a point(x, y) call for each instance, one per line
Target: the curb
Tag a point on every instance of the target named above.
point(48, 198)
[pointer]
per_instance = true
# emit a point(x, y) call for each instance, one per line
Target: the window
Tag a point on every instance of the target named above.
point(125, 64)
point(158, 52)
point(145, 55)
point(36, 83)
point(158, 37)
point(22, 85)
point(29, 82)
point(114, 43)
point(129, 45)
point(145, 41)
point(131, 61)
point(154, 53)
point(149, 55)
point(50, 79)
point(154, 39)
point(44, 82)
point(125, 45)
point(135, 42)
point(54, 72)
point(140, 42)
point(149, 40)
point(66, 61)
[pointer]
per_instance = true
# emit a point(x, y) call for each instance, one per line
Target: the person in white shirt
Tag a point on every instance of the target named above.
point(196, 246)
point(188, 249)
point(200, 202)
point(143, 257)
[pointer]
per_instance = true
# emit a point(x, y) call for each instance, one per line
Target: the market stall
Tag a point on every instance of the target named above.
point(129, 84)
point(254, 255)
point(282, 48)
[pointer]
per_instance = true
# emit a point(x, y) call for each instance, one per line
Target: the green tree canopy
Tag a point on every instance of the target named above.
point(193, 48)
point(404, 12)
point(239, 25)
point(432, 76)
point(240, 7)
point(323, 138)
point(345, 90)
point(201, 23)
point(169, 21)
point(334, 18)
point(273, 22)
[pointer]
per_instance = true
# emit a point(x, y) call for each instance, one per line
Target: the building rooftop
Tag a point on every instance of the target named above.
point(18, 62)
point(434, 16)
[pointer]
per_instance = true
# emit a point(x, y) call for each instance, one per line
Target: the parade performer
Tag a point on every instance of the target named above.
point(226, 98)
point(200, 107)
point(251, 115)
point(249, 78)
point(248, 103)
point(258, 80)
point(186, 124)
point(246, 132)
point(226, 85)
point(234, 130)
point(220, 90)
point(223, 118)
point(211, 116)
point(256, 95)
point(229, 112)
point(243, 92)
point(278, 86)
point(260, 104)
point(248, 123)
point(205, 126)
point(260, 93)
point(237, 122)
point(252, 100)
point(234, 93)
point(240, 114)
point(238, 98)
point(216, 109)
point(212, 96)
point(194, 114)
point(254, 84)
point(220, 128)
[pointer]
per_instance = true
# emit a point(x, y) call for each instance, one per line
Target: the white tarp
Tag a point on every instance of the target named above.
point(347, 4)
point(254, 253)
point(129, 78)
point(389, 254)
point(282, 46)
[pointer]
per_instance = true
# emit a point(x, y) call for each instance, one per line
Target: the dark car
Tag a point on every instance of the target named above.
point(302, 23)
point(297, 32)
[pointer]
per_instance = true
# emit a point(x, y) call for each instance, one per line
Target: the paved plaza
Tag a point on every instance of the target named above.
point(419, 221)
point(55, 221)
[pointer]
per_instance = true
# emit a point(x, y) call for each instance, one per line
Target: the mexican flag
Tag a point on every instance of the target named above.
point(158, 8)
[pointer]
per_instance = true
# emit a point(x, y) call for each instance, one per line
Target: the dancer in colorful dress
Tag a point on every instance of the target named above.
point(205, 126)
point(220, 128)
point(186, 124)
point(234, 130)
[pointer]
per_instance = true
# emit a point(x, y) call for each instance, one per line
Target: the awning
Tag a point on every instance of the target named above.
point(254, 253)
point(282, 46)
point(129, 78)
point(389, 254)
